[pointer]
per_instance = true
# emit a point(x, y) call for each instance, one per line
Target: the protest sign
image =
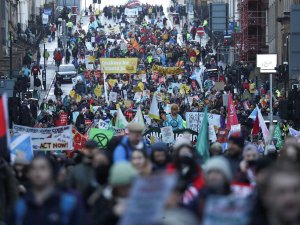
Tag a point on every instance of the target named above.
point(212, 134)
point(235, 128)
point(78, 139)
point(159, 97)
point(118, 65)
point(146, 94)
point(219, 86)
point(101, 136)
point(167, 70)
point(55, 138)
point(241, 190)
point(113, 96)
point(226, 210)
point(98, 91)
point(62, 120)
point(222, 135)
point(75, 115)
point(102, 124)
point(194, 119)
point(21, 147)
point(167, 134)
point(148, 197)
point(137, 96)
point(115, 29)
point(131, 12)
point(155, 134)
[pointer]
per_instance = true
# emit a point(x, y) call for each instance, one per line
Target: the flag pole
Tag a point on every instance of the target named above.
point(105, 89)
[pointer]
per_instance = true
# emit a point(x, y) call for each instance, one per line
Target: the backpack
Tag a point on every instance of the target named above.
point(67, 205)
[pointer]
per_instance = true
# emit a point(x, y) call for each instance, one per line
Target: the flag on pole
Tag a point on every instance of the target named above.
point(263, 125)
point(231, 117)
point(154, 111)
point(255, 129)
point(253, 114)
point(101, 136)
point(121, 121)
point(105, 89)
point(202, 145)
point(21, 147)
point(294, 133)
point(4, 131)
point(138, 118)
point(277, 136)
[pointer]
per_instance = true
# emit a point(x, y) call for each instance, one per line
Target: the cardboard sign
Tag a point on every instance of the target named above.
point(102, 124)
point(226, 210)
point(167, 134)
point(194, 120)
point(118, 65)
point(79, 140)
point(219, 86)
point(113, 96)
point(148, 197)
point(155, 134)
point(137, 96)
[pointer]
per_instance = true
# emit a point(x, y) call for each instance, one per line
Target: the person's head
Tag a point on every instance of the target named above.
point(135, 133)
point(174, 109)
point(159, 154)
point(139, 160)
point(280, 193)
point(235, 145)
point(250, 153)
point(218, 173)
point(291, 140)
point(215, 149)
point(90, 148)
point(101, 164)
point(41, 172)
point(291, 151)
point(121, 176)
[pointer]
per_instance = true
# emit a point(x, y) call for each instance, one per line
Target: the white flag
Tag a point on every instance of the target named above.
point(154, 111)
point(138, 118)
point(263, 125)
point(121, 121)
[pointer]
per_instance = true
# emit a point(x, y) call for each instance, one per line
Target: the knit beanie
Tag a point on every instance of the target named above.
point(121, 173)
point(219, 163)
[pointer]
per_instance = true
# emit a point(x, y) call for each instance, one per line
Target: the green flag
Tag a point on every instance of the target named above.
point(101, 136)
point(277, 136)
point(202, 145)
point(121, 121)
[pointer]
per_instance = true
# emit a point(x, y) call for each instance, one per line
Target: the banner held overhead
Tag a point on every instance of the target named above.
point(118, 65)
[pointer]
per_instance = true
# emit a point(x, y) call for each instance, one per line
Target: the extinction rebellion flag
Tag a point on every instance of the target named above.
point(4, 131)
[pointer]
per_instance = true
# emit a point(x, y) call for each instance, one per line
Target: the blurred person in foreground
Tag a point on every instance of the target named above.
point(141, 162)
point(189, 171)
point(159, 156)
point(44, 203)
point(111, 205)
point(278, 199)
point(218, 177)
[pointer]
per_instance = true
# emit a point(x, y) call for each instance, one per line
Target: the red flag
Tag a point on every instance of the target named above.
point(4, 131)
point(255, 129)
point(231, 114)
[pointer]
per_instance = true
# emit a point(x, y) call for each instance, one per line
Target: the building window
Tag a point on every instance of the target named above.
point(3, 10)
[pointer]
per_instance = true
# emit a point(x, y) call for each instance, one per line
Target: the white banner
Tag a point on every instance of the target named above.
point(55, 138)
point(113, 96)
point(194, 120)
point(131, 12)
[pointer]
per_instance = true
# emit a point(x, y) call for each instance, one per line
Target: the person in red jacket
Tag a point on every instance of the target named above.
point(190, 173)
point(58, 58)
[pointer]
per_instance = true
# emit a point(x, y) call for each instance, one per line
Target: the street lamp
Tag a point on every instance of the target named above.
point(44, 69)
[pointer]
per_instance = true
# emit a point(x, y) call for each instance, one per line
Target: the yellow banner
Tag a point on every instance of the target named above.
point(167, 70)
point(118, 65)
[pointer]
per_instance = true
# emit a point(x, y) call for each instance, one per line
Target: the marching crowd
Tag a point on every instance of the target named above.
point(94, 185)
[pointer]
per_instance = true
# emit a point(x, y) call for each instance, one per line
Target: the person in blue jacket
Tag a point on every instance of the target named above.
point(174, 119)
point(133, 141)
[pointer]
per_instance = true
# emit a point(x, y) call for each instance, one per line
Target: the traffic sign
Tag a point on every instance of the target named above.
point(200, 31)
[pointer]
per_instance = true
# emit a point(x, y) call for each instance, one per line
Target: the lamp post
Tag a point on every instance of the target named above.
point(44, 69)
point(10, 54)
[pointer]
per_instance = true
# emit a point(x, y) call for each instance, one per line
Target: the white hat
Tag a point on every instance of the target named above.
point(219, 163)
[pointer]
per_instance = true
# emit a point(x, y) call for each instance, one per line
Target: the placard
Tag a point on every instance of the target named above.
point(113, 96)
point(167, 134)
point(148, 197)
point(194, 120)
point(118, 65)
point(226, 210)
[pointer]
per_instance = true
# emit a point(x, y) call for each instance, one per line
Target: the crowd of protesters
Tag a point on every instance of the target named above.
point(92, 186)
